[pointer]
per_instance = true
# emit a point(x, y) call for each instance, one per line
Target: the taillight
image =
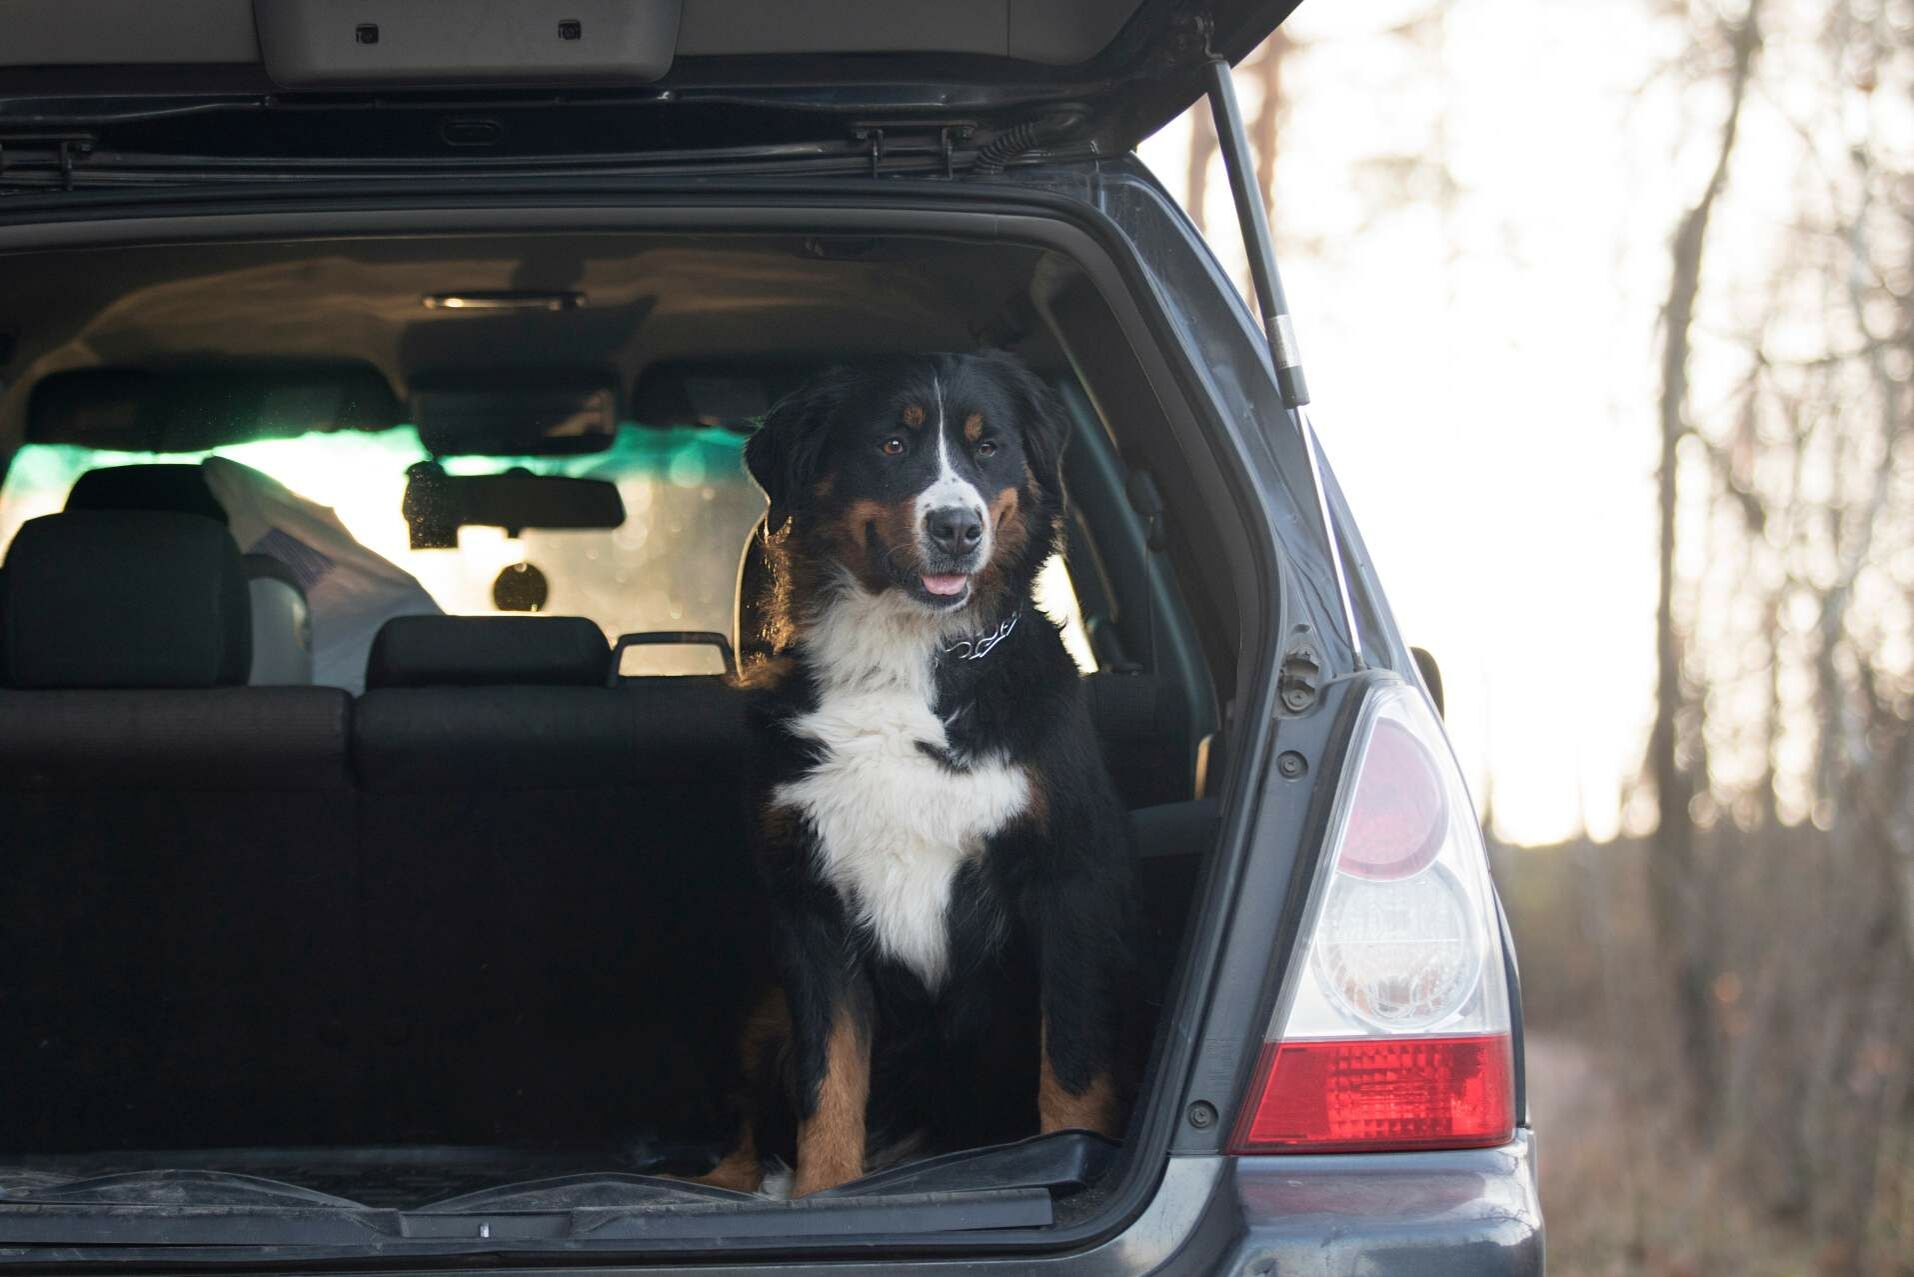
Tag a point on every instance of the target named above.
point(1395, 1033)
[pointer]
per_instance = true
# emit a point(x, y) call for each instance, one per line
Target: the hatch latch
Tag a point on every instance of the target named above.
point(1300, 677)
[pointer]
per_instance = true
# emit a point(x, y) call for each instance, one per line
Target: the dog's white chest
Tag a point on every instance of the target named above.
point(893, 823)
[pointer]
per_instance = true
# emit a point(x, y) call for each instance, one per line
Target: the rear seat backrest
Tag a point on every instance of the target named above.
point(557, 883)
point(177, 908)
point(1143, 734)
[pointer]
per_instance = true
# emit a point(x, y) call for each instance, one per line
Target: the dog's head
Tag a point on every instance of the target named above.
point(934, 477)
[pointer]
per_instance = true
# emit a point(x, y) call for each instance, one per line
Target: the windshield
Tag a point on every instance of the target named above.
point(672, 565)
point(689, 504)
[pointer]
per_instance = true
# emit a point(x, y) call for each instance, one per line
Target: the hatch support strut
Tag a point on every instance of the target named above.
point(1233, 139)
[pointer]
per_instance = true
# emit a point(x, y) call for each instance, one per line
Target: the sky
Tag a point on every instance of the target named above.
point(1480, 347)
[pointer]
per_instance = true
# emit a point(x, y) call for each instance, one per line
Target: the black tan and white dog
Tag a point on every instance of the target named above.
point(947, 858)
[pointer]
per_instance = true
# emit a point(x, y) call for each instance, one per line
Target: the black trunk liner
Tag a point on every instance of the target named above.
point(399, 1178)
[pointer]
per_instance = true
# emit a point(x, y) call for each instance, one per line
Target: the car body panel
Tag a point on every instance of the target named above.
point(1092, 75)
point(1473, 1212)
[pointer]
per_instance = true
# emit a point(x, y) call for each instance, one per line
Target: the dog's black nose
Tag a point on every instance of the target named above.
point(954, 529)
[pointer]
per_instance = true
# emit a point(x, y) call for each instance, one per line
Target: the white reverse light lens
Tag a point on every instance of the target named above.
point(1397, 955)
point(1406, 928)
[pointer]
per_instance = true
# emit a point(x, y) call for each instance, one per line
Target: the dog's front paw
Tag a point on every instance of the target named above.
point(815, 1174)
point(1092, 1109)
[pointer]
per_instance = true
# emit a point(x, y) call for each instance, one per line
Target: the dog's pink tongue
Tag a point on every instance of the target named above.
point(945, 585)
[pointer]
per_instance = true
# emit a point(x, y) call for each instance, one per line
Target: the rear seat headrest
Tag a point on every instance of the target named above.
point(488, 651)
point(125, 599)
point(162, 486)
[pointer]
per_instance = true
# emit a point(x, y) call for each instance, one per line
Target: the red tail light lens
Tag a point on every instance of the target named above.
point(1394, 1032)
point(1382, 1094)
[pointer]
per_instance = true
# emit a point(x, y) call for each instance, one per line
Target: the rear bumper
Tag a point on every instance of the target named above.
point(1473, 1212)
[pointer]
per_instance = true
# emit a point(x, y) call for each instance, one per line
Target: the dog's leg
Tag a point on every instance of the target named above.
point(831, 1128)
point(742, 1168)
point(1082, 954)
point(1071, 1098)
point(764, 1030)
point(831, 1022)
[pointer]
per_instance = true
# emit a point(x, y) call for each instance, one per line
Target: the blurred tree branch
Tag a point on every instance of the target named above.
point(1196, 180)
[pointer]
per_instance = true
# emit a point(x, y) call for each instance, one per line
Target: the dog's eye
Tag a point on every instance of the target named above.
point(893, 447)
point(988, 448)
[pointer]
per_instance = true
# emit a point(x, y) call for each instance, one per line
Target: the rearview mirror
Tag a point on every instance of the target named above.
point(438, 504)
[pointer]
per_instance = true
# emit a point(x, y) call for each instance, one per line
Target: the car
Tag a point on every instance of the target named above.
point(374, 380)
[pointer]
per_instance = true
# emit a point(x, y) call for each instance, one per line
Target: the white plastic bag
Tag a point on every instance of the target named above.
point(350, 590)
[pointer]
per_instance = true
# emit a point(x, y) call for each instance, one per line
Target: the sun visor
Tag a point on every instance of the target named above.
point(194, 409)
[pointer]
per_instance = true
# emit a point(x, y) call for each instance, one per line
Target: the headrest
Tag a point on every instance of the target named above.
point(488, 651)
point(107, 599)
point(149, 487)
point(731, 392)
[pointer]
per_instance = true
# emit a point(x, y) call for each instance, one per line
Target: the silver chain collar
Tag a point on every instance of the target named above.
point(975, 649)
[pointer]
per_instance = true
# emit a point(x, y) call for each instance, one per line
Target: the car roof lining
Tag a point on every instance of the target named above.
point(649, 299)
point(186, 32)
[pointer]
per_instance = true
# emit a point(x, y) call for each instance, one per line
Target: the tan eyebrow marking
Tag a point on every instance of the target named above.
point(974, 427)
point(914, 415)
point(1004, 506)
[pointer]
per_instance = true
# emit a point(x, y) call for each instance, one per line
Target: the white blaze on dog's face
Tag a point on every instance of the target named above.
point(919, 476)
point(952, 524)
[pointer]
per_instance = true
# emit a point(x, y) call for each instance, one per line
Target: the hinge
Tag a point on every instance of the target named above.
point(20, 151)
point(875, 138)
point(947, 139)
point(912, 146)
point(1185, 40)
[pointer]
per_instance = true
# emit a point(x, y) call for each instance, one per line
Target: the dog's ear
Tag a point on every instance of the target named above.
point(785, 454)
point(1041, 416)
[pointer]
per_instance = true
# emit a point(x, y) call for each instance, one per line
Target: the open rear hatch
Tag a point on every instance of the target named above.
point(220, 90)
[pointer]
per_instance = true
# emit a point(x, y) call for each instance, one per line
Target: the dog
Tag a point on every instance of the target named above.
point(948, 861)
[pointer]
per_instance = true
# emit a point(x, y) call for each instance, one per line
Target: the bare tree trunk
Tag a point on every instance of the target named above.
point(1673, 896)
point(1197, 180)
point(1269, 70)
